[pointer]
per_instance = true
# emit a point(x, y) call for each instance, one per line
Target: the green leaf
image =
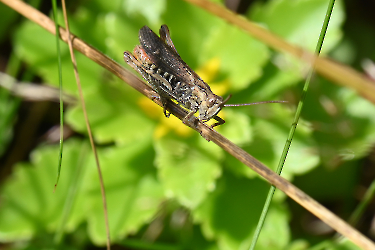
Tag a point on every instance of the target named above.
point(29, 205)
point(133, 192)
point(40, 54)
point(271, 124)
point(344, 244)
point(241, 56)
point(229, 215)
point(344, 122)
point(302, 156)
point(187, 173)
point(277, 223)
point(151, 10)
point(114, 116)
point(270, 86)
point(301, 21)
point(122, 35)
point(237, 126)
point(362, 113)
point(334, 184)
point(301, 24)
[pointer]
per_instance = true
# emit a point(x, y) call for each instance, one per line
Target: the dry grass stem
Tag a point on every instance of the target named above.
point(101, 181)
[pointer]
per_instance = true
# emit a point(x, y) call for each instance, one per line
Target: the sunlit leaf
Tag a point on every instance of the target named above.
point(187, 173)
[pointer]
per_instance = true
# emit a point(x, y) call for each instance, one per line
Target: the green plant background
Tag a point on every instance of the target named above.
point(166, 186)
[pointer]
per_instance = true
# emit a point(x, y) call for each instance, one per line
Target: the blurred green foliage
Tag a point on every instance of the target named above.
point(165, 183)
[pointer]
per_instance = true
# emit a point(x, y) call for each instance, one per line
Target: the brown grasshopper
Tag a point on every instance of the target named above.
point(158, 61)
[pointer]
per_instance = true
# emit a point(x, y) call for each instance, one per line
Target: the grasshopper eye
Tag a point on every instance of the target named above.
point(211, 102)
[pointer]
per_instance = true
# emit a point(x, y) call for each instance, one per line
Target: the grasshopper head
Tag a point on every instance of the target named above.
point(210, 107)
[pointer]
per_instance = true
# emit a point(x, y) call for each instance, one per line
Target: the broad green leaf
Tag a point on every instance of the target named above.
point(344, 244)
point(237, 126)
point(271, 124)
point(344, 122)
point(114, 115)
point(302, 155)
point(277, 223)
point(110, 114)
point(151, 10)
point(301, 24)
point(241, 56)
point(362, 113)
point(40, 54)
point(29, 205)
point(98, 6)
point(334, 184)
point(133, 192)
point(122, 35)
point(273, 83)
point(298, 244)
point(229, 214)
point(301, 21)
point(187, 173)
point(189, 30)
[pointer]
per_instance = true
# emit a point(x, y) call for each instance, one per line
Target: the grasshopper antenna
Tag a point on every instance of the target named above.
point(252, 103)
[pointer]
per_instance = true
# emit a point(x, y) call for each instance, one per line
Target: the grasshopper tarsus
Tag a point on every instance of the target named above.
point(166, 112)
point(220, 121)
point(164, 103)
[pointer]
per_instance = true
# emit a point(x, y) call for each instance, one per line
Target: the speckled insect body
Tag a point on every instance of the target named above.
point(159, 63)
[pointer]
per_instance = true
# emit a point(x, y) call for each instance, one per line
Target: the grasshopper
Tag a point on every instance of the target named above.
point(159, 63)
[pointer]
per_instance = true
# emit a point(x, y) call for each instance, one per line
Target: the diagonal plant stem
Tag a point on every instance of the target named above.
point(293, 127)
point(369, 195)
point(74, 62)
point(289, 189)
point(61, 95)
